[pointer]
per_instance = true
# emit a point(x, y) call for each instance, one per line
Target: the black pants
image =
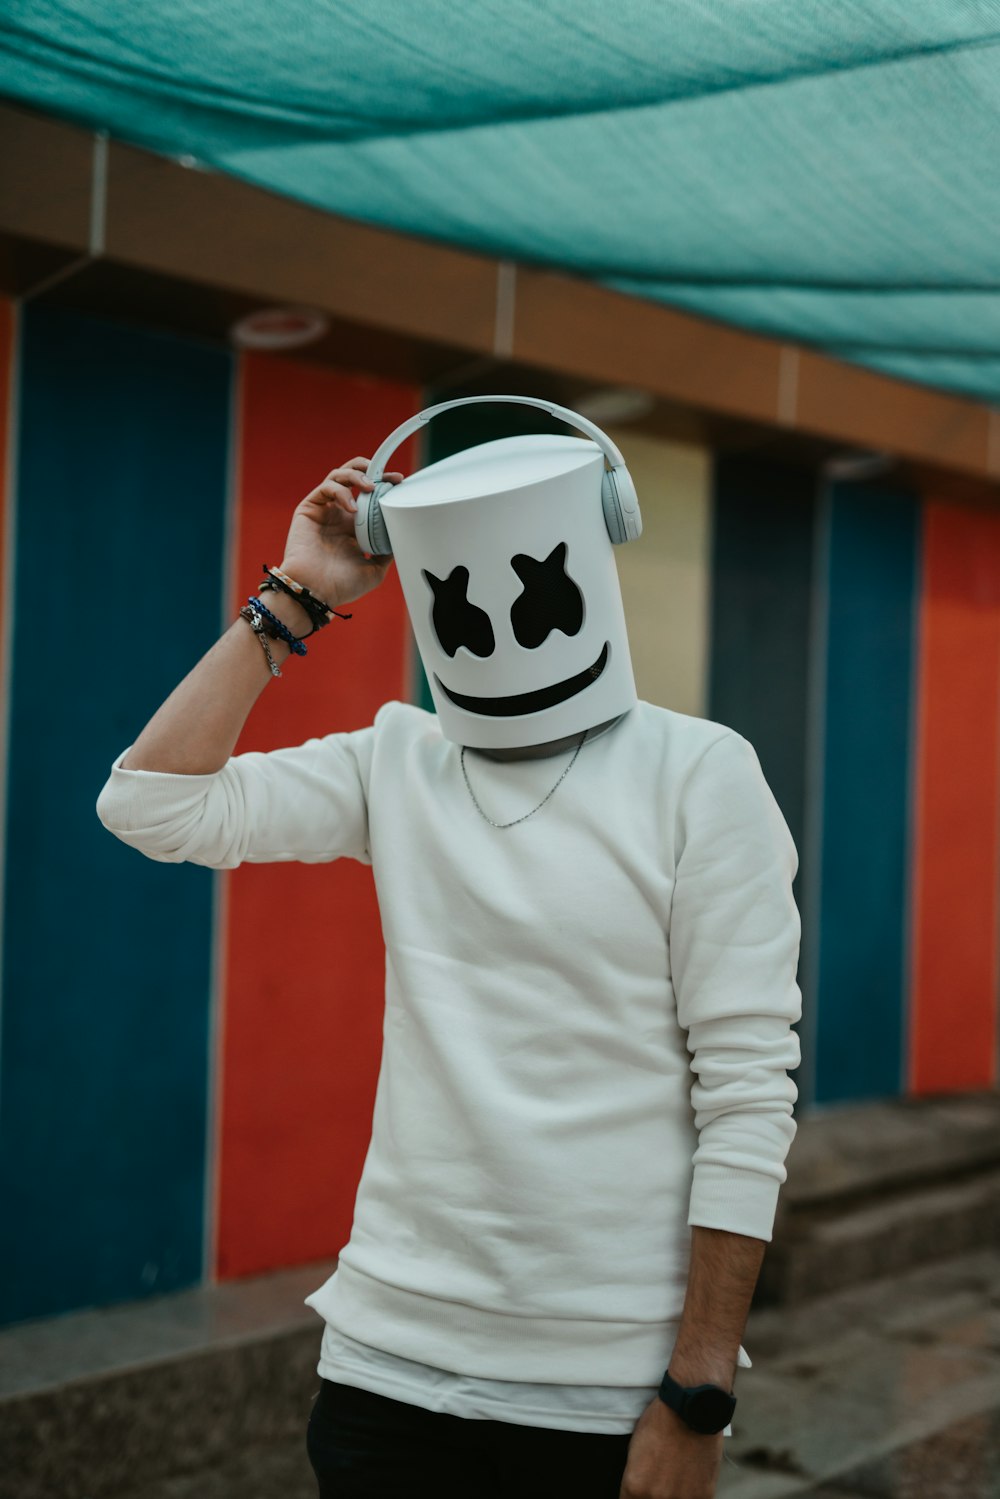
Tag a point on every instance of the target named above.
point(366, 1446)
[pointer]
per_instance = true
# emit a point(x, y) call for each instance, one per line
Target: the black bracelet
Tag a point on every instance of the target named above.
point(277, 588)
point(319, 613)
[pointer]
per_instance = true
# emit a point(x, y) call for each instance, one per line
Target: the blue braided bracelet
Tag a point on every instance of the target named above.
point(281, 630)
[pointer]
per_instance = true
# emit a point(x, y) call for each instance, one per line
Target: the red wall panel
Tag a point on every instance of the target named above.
point(304, 967)
point(957, 832)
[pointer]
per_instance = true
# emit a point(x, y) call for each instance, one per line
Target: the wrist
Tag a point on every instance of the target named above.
point(692, 1366)
point(323, 591)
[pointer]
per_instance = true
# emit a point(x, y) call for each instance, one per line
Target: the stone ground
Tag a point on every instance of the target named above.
point(888, 1391)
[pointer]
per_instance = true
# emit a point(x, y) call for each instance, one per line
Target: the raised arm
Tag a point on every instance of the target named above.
point(195, 730)
point(180, 795)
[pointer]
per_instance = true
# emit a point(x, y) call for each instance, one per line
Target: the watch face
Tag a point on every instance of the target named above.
point(709, 1410)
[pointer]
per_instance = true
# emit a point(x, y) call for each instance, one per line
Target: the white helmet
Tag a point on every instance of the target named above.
point(507, 567)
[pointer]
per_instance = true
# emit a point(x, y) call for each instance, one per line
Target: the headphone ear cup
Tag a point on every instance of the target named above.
point(369, 523)
point(621, 506)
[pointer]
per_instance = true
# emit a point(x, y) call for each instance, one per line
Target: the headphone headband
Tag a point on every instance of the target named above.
point(618, 497)
point(572, 419)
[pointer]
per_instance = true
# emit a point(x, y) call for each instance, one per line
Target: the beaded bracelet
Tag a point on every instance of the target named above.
point(256, 623)
point(279, 630)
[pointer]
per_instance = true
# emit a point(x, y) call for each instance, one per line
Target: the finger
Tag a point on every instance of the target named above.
point(338, 493)
point(335, 489)
point(349, 474)
point(354, 471)
point(332, 518)
point(350, 481)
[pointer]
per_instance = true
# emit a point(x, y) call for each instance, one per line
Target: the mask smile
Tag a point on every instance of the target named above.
point(528, 702)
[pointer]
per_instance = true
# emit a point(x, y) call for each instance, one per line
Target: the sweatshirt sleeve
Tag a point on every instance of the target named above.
point(734, 944)
point(308, 802)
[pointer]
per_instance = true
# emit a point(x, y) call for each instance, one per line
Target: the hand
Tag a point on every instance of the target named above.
point(321, 550)
point(667, 1460)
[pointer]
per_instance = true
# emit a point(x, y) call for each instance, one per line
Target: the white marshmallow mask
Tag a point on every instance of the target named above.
point(508, 572)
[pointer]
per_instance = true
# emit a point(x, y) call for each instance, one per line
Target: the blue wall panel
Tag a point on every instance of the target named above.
point(763, 529)
point(107, 962)
point(872, 555)
point(762, 557)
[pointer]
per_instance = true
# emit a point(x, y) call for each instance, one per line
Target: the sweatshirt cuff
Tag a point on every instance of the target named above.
point(134, 799)
point(739, 1201)
point(119, 772)
point(152, 782)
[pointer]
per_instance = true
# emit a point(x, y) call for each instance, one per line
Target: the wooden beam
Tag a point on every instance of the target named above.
point(218, 230)
point(573, 325)
point(236, 246)
point(45, 179)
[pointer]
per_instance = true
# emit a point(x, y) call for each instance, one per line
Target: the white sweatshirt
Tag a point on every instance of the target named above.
point(587, 1028)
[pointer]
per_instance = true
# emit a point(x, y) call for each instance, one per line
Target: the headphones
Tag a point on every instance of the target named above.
point(618, 496)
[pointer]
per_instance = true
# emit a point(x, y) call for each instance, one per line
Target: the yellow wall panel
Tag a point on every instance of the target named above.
point(665, 576)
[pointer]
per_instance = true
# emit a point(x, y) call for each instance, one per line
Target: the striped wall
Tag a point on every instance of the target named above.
point(188, 1060)
point(170, 1107)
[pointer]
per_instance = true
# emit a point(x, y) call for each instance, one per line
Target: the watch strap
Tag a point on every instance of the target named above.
point(686, 1399)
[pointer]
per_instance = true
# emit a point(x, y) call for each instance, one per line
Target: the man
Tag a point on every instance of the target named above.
point(591, 904)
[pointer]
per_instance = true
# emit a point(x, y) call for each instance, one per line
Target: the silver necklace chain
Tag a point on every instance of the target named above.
point(540, 805)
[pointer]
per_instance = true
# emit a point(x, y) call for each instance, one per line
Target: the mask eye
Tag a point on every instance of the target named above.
point(550, 601)
point(456, 621)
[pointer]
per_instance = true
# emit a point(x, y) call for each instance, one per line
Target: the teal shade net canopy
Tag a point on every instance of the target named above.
point(824, 171)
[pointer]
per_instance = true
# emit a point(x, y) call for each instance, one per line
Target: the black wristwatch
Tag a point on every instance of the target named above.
point(704, 1407)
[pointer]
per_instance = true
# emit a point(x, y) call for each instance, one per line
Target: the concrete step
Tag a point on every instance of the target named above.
point(214, 1385)
point(878, 1188)
point(822, 1252)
